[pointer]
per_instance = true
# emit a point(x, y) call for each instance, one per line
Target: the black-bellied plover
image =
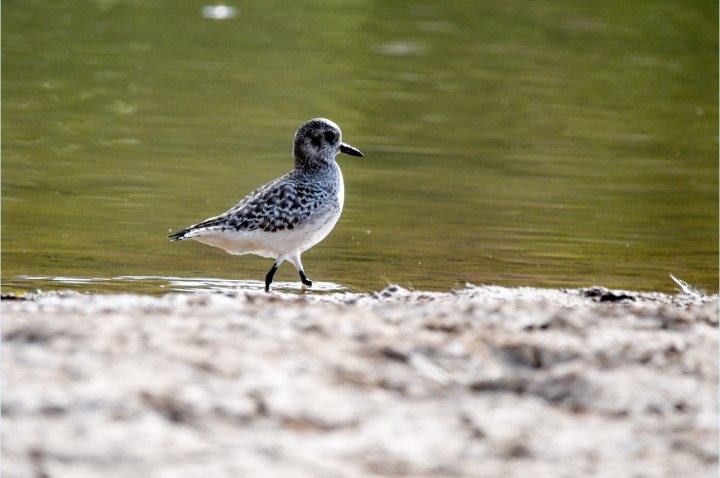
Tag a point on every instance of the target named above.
point(289, 215)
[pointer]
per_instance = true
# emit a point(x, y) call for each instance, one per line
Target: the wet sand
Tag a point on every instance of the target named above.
point(483, 381)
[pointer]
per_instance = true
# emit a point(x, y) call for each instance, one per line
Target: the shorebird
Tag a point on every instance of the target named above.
point(290, 214)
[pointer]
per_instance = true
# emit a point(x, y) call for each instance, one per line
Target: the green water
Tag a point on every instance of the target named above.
point(514, 143)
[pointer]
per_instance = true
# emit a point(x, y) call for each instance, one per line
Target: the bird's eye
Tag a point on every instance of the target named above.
point(329, 136)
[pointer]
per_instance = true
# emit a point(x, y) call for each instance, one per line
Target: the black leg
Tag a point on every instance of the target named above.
point(269, 277)
point(304, 278)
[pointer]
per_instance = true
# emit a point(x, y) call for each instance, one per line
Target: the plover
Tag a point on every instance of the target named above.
point(289, 215)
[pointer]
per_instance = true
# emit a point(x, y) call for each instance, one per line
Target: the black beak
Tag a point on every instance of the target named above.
point(347, 149)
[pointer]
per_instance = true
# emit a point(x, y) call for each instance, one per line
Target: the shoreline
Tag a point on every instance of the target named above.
point(479, 381)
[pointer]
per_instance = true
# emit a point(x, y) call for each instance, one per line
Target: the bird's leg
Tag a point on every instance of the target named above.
point(304, 278)
point(269, 277)
point(295, 260)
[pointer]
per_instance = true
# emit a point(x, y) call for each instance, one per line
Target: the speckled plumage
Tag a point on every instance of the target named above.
point(287, 216)
point(281, 204)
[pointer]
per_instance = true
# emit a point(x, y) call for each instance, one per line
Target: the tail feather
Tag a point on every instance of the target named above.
point(200, 227)
point(180, 235)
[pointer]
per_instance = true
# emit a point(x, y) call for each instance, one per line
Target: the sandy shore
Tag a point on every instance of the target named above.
point(484, 381)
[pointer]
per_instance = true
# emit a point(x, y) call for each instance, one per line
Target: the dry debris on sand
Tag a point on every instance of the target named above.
point(483, 381)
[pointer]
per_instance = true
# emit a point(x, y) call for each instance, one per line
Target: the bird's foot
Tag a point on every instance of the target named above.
point(306, 282)
point(269, 277)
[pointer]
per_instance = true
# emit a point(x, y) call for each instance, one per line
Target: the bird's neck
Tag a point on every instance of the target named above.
point(315, 164)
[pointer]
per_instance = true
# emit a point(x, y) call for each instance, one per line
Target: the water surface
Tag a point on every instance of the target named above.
point(512, 143)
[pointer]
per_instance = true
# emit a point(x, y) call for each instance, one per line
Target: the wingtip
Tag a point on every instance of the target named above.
point(177, 236)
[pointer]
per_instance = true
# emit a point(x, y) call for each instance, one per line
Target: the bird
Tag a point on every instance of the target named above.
point(289, 215)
